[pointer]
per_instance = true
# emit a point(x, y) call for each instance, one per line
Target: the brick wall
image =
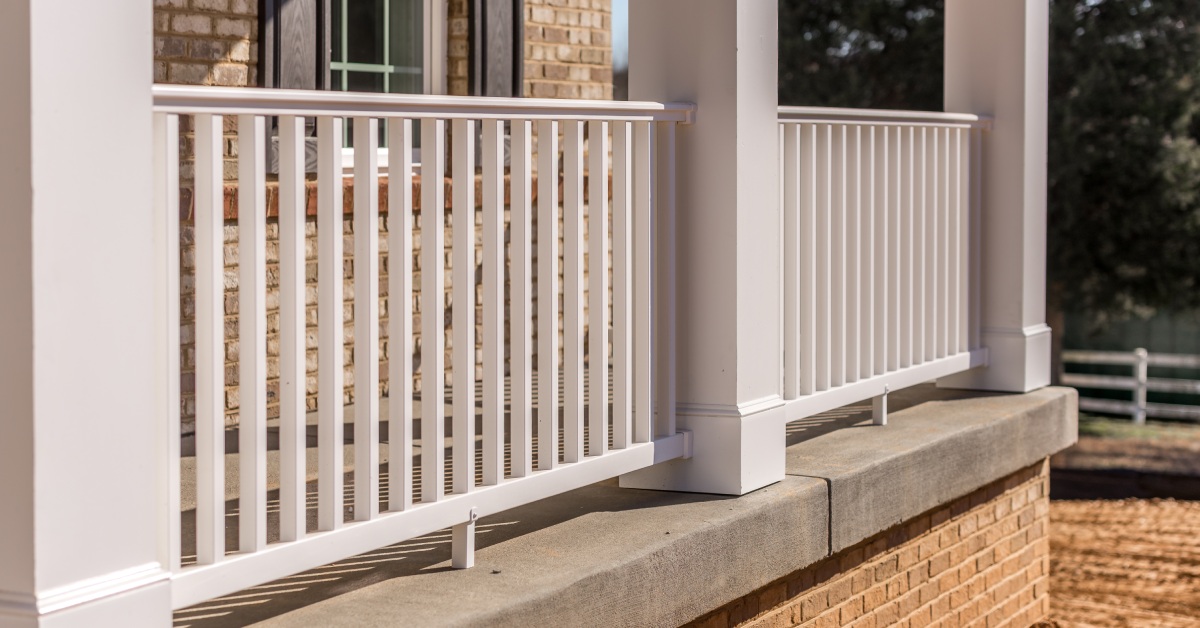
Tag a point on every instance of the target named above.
point(458, 48)
point(981, 560)
point(568, 45)
point(215, 42)
point(232, 301)
point(206, 42)
point(568, 49)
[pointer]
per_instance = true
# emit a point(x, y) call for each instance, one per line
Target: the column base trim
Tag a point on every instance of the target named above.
point(736, 449)
point(27, 605)
point(1018, 361)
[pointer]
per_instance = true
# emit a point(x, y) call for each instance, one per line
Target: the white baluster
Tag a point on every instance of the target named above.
point(493, 301)
point(208, 221)
point(292, 344)
point(521, 317)
point(252, 334)
point(573, 286)
point(547, 332)
point(598, 286)
point(330, 329)
point(366, 319)
point(463, 445)
point(166, 231)
point(622, 284)
point(643, 270)
point(792, 254)
point(433, 286)
point(400, 314)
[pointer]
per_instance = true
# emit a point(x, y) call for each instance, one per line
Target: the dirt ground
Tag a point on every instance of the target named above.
point(1132, 562)
point(1123, 550)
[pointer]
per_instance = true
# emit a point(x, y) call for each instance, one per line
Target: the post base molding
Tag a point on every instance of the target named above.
point(93, 601)
point(736, 449)
point(1018, 361)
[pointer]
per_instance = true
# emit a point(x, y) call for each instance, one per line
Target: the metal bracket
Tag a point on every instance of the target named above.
point(462, 542)
point(687, 442)
point(879, 408)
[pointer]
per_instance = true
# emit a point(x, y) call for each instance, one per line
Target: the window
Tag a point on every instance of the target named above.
point(394, 46)
point(378, 46)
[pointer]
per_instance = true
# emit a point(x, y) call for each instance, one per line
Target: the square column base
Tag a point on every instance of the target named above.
point(1018, 361)
point(734, 452)
point(143, 605)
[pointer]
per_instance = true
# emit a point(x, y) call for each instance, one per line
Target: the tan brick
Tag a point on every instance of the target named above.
point(941, 607)
point(814, 604)
point(191, 24)
point(909, 602)
point(948, 580)
point(887, 614)
point(923, 617)
point(235, 27)
point(867, 621)
point(939, 563)
point(874, 597)
point(918, 575)
point(897, 586)
point(959, 597)
point(886, 569)
point(828, 620)
point(861, 580)
point(220, 6)
point(850, 610)
point(839, 591)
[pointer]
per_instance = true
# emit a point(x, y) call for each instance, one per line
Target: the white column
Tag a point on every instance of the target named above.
point(996, 65)
point(79, 531)
point(721, 55)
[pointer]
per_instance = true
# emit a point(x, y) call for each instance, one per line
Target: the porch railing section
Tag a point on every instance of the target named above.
point(881, 251)
point(534, 443)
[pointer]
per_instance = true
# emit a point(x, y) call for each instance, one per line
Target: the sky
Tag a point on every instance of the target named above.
point(620, 26)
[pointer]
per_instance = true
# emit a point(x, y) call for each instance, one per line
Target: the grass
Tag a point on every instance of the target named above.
point(1101, 426)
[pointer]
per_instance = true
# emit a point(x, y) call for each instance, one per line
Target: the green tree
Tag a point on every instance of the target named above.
point(1124, 175)
point(1124, 163)
point(861, 53)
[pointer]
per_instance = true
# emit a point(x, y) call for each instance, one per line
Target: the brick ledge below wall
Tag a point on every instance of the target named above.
point(604, 555)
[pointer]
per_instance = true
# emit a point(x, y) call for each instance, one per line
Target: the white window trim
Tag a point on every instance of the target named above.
point(435, 47)
point(434, 68)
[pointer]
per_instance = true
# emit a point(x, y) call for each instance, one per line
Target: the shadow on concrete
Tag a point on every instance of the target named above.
point(410, 558)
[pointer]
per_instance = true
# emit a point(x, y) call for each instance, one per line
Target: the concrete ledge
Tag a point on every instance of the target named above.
point(940, 445)
point(605, 555)
point(616, 557)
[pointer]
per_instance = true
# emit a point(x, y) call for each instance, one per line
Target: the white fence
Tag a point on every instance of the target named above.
point(881, 215)
point(1140, 383)
point(527, 453)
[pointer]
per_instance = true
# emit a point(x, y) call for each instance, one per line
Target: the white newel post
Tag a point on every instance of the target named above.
point(79, 535)
point(721, 55)
point(996, 64)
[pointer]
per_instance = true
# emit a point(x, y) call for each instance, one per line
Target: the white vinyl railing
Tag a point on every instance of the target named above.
point(1139, 383)
point(527, 452)
point(881, 251)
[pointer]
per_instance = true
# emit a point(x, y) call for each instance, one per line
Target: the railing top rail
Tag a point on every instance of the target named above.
point(1177, 360)
point(881, 116)
point(190, 99)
